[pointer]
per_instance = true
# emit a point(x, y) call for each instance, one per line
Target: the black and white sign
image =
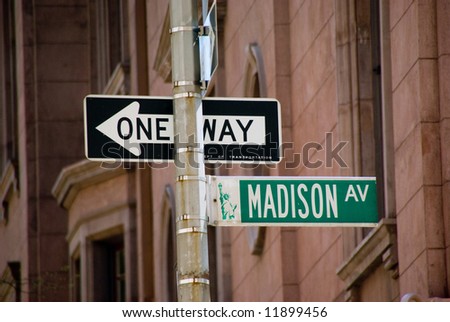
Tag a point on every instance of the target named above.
point(140, 128)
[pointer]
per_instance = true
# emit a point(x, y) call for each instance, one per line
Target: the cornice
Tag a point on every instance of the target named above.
point(78, 176)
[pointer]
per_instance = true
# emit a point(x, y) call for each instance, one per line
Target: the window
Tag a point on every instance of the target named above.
point(364, 95)
point(8, 86)
point(10, 283)
point(119, 273)
point(109, 36)
point(365, 121)
point(8, 109)
point(76, 279)
point(4, 212)
point(109, 269)
point(369, 66)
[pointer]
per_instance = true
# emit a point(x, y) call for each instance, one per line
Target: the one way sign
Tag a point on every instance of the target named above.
point(140, 128)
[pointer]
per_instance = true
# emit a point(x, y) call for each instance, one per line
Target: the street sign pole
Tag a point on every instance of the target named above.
point(192, 222)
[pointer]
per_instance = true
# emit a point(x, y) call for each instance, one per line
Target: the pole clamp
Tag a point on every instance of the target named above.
point(204, 30)
point(191, 178)
point(184, 29)
point(189, 217)
point(192, 230)
point(201, 30)
point(186, 83)
point(187, 95)
point(193, 280)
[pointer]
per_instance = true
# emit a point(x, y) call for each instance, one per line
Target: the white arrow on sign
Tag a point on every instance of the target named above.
point(129, 129)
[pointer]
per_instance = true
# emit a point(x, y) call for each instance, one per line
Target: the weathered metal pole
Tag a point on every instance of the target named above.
point(192, 222)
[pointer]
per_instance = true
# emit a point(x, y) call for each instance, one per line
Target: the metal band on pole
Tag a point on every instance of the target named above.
point(195, 178)
point(193, 280)
point(189, 217)
point(187, 95)
point(192, 230)
point(186, 83)
point(184, 29)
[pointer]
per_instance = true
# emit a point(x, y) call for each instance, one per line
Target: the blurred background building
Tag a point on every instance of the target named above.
point(373, 73)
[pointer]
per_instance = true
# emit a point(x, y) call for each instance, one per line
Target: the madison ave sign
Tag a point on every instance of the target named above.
point(292, 201)
point(127, 128)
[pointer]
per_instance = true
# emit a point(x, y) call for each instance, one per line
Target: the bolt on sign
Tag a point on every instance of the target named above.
point(292, 201)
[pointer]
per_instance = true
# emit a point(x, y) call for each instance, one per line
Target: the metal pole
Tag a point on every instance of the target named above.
point(192, 222)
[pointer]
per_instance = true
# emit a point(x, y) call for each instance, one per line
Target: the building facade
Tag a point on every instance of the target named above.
point(364, 91)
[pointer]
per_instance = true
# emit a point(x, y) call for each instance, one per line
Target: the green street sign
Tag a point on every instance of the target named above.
point(292, 201)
